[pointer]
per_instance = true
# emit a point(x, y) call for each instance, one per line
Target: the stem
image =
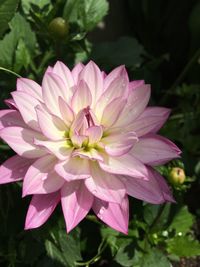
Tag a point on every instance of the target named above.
point(156, 220)
point(182, 74)
point(10, 71)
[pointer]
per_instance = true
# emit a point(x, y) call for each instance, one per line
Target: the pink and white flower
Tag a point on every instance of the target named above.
point(87, 140)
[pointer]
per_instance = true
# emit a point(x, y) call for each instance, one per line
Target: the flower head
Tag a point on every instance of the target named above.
point(87, 140)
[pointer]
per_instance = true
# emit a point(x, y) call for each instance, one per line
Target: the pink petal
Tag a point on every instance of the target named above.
point(10, 117)
point(58, 148)
point(91, 74)
point(150, 121)
point(66, 112)
point(41, 177)
point(112, 112)
point(137, 101)
point(76, 71)
point(125, 165)
point(82, 97)
point(14, 169)
point(53, 87)
point(92, 154)
point(134, 84)
point(65, 74)
point(40, 209)
point(76, 202)
point(73, 169)
point(21, 141)
point(11, 103)
point(30, 87)
point(119, 144)
point(26, 106)
point(105, 185)
point(94, 133)
point(117, 72)
point(154, 190)
point(113, 214)
point(155, 150)
point(117, 88)
point(51, 125)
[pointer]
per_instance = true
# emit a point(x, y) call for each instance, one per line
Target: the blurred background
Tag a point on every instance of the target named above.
point(158, 41)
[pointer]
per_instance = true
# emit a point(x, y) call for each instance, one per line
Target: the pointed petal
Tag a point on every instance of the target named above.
point(91, 74)
point(60, 149)
point(40, 209)
point(26, 106)
point(150, 121)
point(94, 133)
point(112, 112)
point(66, 112)
point(154, 190)
point(155, 150)
point(21, 141)
point(10, 117)
point(134, 84)
point(64, 73)
point(11, 103)
point(41, 177)
point(117, 88)
point(76, 202)
point(53, 87)
point(114, 215)
point(105, 185)
point(126, 165)
point(82, 97)
point(119, 144)
point(76, 71)
point(14, 169)
point(117, 72)
point(51, 125)
point(30, 87)
point(137, 101)
point(73, 169)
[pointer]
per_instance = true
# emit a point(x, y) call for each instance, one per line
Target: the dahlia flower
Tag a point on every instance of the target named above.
point(88, 140)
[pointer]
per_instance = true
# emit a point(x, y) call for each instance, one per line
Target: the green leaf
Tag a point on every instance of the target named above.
point(126, 51)
point(125, 253)
point(64, 248)
point(182, 221)
point(26, 4)
point(22, 56)
point(153, 258)
point(183, 246)
point(20, 29)
point(87, 13)
point(7, 11)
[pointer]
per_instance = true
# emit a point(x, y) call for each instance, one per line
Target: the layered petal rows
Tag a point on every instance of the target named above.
point(87, 140)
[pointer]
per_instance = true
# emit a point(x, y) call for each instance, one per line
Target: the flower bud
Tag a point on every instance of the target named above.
point(177, 176)
point(59, 28)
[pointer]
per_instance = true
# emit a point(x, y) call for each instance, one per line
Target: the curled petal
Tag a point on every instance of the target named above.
point(14, 169)
point(30, 87)
point(40, 209)
point(91, 74)
point(125, 165)
point(113, 214)
point(22, 141)
point(66, 112)
point(11, 118)
point(41, 177)
point(154, 190)
point(51, 125)
point(119, 144)
point(154, 150)
point(26, 106)
point(82, 97)
point(11, 103)
point(73, 169)
point(136, 103)
point(105, 185)
point(76, 202)
point(94, 134)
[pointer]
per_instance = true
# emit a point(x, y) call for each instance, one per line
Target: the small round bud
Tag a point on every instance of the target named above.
point(59, 28)
point(177, 176)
